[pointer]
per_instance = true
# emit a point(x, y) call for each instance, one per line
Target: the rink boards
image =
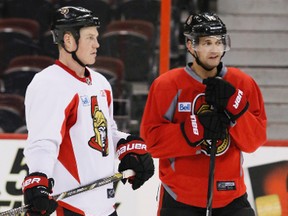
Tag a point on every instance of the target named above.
point(267, 166)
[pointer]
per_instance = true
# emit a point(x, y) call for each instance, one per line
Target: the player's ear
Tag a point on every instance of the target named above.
point(68, 41)
point(189, 47)
point(188, 44)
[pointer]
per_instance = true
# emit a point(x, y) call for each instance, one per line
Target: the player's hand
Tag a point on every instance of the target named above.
point(36, 188)
point(142, 165)
point(133, 155)
point(215, 124)
point(206, 125)
point(224, 96)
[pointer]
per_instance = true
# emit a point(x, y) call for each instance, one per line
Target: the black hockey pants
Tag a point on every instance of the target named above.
point(239, 207)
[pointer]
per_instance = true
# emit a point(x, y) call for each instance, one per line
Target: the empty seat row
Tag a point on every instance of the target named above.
point(132, 41)
point(127, 46)
point(106, 10)
point(12, 116)
point(22, 69)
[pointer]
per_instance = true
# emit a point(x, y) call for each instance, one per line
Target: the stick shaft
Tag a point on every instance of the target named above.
point(211, 178)
point(98, 183)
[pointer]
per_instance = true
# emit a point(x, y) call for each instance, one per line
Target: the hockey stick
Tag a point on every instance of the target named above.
point(211, 178)
point(98, 183)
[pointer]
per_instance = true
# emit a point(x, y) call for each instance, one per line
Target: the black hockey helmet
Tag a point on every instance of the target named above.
point(71, 19)
point(206, 24)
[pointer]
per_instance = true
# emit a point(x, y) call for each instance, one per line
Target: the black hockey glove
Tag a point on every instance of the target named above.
point(36, 188)
point(132, 153)
point(206, 125)
point(225, 96)
point(215, 124)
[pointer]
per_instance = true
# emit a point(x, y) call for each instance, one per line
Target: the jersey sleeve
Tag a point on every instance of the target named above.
point(45, 116)
point(163, 137)
point(116, 134)
point(249, 133)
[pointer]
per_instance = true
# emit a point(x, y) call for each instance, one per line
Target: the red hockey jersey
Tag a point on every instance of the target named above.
point(184, 170)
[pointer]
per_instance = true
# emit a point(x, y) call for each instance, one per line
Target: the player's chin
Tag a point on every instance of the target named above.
point(212, 65)
point(213, 62)
point(91, 60)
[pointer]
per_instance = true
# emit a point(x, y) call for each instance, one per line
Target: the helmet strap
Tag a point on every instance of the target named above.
point(73, 53)
point(74, 56)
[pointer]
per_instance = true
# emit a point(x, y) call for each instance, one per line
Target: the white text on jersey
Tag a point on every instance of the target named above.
point(131, 146)
point(238, 99)
point(194, 125)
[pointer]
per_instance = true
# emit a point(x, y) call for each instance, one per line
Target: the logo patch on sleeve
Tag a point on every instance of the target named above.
point(226, 185)
point(184, 107)
point(85, 100)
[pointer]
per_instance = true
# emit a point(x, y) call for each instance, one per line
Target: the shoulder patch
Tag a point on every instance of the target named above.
point(85, 101)
point(184, 107)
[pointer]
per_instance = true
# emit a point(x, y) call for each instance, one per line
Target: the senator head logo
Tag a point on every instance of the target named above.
point(98, 142)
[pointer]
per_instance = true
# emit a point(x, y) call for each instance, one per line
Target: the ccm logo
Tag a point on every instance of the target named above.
point(194, 125)
point(31, 181)
point(238, 99)
point(131, 146)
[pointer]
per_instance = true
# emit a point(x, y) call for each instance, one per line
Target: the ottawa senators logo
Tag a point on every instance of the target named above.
point(199, 105)
point(100, 140)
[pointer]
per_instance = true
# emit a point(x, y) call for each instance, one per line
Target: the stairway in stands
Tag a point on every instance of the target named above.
point(259, 35)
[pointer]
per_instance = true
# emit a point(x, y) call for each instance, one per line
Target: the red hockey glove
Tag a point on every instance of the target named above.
point(193, 131)
point(133, 155)
point(36, 188)
point(225, 96)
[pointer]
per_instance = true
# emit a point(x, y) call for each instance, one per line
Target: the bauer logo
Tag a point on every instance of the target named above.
point(184, 107)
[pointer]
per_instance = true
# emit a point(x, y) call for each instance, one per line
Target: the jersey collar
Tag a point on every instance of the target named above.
point(87, 79)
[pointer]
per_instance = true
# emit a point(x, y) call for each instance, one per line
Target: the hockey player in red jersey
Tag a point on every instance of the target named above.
point(190, 106)
point(73, 139)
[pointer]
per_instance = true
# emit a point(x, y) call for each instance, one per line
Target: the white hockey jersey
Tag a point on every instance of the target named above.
point(72, 135)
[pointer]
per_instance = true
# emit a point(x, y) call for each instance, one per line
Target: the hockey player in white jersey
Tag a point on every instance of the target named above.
point(73, 139)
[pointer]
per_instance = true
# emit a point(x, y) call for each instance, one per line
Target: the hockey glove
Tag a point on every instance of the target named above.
point(215, 124)
point(206, 125)
point(193, 131)
point(36, 188)
point(133, 155)
point(225, 96)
